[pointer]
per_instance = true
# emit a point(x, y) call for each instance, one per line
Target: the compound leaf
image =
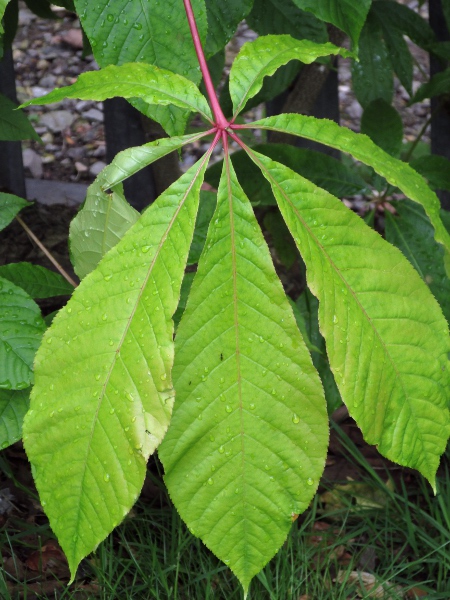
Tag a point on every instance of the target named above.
point(363, 149)
point(345, 14)
point(3, 4)
point(263, 56)
point(10, 206)
point(387, 340)
point(247, 443)
point(103, 394)
point(13, 406)
point(133, 80)
point(21, 329)
point(37, 281)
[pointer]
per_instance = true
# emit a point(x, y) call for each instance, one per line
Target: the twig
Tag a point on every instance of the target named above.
point(47, 253)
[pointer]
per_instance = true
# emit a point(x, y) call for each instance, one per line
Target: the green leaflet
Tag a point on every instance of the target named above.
point(14, 124)
point(21, 329)
point(387, 340)
point(103, 394)
point(405, 20)
point(247, 443)
point(146, 31)
point(439, 84)
point(264, 56)
point(362, 148)
point(435, 168)
point(382, 123)
point(130, 161)
point(372, 75)
point(10, 206)
point(223, 19)
point(37, 281)
point(100, 224)
point(345, 14)
point(399, 53)
point(282, 16)
point(412, 232)
point(133, 80)
point(13, 406)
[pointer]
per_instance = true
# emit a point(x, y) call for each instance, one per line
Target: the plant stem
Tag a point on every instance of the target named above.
point(220, 120)
point(50, 257)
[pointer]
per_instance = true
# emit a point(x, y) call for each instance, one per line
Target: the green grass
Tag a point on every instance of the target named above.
point(153, 556)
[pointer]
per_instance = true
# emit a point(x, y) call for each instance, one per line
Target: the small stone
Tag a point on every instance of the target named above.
point(48, 81)
point(76, 153)
point(58, 120)
point(80, 167)
point(47, 137)
point(98, 166)
point(33, 162)
point(99, 152)
point(48, 158)
point(73, 38)
point(82, 105)
point(42, 64)
point(93, 114)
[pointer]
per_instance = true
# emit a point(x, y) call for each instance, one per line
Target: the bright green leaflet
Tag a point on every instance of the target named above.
point(171, 118)
point(10, 206)
point(14, 124)
point(37, 281)
point(325, 171)
point(439, 84)
point(13, 406)
point(223, 19)
point(103, 394)
point(387, 340)
point(121, 31)
point(247, 443)
point(382, 123)
point(100, 224)
point(130, 161)
point(362, 148)
point(399, 53)
point(282, 16)
point(411, 231)
point(154, 85)
point(21, 329)
point(345, 14)
point(262, 57)
point(372, 75)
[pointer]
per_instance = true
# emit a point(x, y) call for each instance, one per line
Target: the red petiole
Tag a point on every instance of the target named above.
point(221, 125)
